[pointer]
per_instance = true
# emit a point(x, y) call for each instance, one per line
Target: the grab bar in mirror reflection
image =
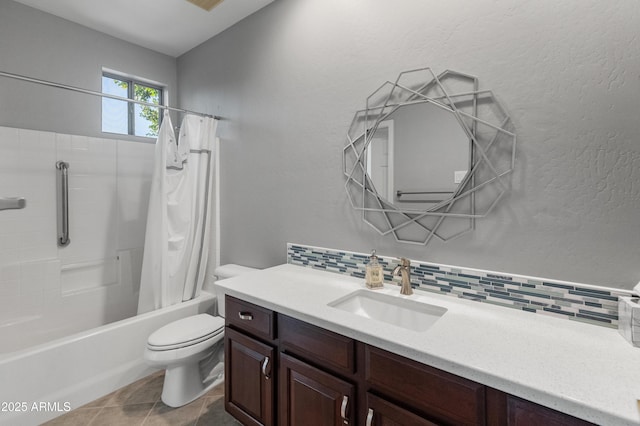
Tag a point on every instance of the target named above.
point(427, 196)
point(10, 203)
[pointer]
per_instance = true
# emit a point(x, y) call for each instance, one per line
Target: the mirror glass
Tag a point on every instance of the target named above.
point(428, 156)
point(417, 156)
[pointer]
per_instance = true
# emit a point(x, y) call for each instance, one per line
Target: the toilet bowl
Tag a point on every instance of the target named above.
point(179, 347)
point(188, 349)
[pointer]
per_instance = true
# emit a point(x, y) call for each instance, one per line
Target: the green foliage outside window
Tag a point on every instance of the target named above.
point(123, 117)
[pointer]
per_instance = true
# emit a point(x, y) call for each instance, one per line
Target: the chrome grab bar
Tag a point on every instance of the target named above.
point(7, 203)
point(63, 203)
point(400, 193)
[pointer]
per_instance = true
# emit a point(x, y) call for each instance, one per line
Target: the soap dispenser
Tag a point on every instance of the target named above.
point(374, 274)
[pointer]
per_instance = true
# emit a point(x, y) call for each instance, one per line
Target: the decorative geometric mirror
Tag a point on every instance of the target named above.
point(427, 148)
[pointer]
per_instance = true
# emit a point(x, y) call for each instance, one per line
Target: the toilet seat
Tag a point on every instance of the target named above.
point(185, 332)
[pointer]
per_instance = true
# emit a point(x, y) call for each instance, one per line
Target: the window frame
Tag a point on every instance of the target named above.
point(131, 117)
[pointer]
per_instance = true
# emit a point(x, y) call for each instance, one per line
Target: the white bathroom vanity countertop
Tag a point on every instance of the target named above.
point(587, 371)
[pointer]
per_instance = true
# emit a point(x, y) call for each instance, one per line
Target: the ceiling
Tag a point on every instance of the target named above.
point(172, 27)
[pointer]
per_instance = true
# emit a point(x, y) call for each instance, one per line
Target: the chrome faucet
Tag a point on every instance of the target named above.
point(404, 270)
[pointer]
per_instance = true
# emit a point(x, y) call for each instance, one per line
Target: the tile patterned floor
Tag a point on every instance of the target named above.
point(139, 404)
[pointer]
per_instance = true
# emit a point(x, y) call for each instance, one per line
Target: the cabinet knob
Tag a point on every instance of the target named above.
point(343, 409)
point(370, 417)
point(246, 316)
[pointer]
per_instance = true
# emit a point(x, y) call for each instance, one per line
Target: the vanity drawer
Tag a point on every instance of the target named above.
point(322, 347)
point(440, 396)
point(505, 409)
point(251, 318)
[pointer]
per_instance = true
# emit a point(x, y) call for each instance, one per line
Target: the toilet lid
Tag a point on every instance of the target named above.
point(186, 332)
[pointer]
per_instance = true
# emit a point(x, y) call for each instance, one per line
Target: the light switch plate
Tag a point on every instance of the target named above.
point(458, 175)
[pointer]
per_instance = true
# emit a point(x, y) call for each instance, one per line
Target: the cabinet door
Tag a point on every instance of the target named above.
point(249, 385)
point(311, 397)
point(381, 412)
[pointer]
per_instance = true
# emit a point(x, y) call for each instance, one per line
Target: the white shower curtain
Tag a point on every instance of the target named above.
point(179, 218)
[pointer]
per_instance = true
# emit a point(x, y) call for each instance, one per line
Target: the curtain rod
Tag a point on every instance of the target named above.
point(102, 95)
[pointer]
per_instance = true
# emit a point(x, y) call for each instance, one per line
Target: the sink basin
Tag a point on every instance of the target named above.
point(409, 314)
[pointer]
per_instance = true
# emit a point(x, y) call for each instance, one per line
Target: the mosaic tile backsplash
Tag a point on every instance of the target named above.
point(578, 302)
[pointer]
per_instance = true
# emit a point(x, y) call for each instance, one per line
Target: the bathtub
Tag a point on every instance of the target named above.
point(47, 380)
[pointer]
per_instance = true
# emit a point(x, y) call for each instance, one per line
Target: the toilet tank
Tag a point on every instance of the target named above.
point(228, 271)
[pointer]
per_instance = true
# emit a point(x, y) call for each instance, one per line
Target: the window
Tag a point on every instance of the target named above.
point(128, 118)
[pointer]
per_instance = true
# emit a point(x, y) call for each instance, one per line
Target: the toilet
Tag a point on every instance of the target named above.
point(191, 350)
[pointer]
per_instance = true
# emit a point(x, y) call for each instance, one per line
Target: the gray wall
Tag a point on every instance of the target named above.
point(289, 78)
point(43, 46)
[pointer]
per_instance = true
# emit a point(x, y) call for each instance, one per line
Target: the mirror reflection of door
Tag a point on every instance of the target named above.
point(380, 159)
point(418, 156)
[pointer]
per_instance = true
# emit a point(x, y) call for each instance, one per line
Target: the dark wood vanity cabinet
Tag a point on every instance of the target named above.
point(250, 360)
point(280, 370)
